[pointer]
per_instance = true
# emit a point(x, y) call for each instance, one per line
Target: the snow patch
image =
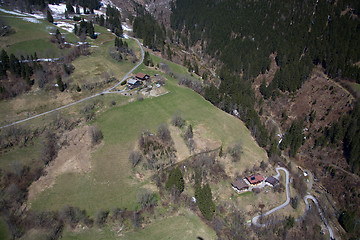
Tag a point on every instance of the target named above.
point(109, 2)
point(17, 13)
point(126, 28)
point(30, 19)
point(58, 11)
point(37, 15)
point(66, 26)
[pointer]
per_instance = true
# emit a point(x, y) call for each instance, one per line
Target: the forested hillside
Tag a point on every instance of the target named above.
point(244, 34)
point(301, 35)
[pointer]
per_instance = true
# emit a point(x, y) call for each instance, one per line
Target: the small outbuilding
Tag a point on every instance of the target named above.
point(133, 83)
point(240, 185)
point(272, 181)
point(255, 179)
point(142, 76)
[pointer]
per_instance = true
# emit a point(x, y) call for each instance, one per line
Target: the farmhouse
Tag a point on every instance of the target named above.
point(142, 76)
point(271, 181)
point(240, 185)
point(255, 179)
point(133, 83)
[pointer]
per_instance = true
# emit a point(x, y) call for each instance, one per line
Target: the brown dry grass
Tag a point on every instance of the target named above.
point(73, 157)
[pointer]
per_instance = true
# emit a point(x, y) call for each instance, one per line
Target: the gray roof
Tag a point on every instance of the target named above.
point(132, 81)
point(273, 181)
point(240, 184)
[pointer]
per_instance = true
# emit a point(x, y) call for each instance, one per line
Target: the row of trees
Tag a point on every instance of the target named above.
point(86, 4)
point(20, 68)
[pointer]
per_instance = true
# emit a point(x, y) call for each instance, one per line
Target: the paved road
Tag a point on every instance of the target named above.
point(87, 98)
point(306, 198)
point(320, 212)
point(256, 218)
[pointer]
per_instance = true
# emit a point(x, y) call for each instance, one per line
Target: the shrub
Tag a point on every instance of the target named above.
point(235, 151)
point(175, 179)
point(49, 149)
point(76, 18)
point(100, 217)
point(178, 120)
point(96, 135)
point(163, 133)
point(135, 158)
point(146, 198)
point(189, 133)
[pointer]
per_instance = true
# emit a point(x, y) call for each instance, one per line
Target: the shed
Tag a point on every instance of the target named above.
point(255, 179)
point(142, 76)
point(272, 181)
point(240, 185)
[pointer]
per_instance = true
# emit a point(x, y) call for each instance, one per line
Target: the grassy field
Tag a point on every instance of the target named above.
point(121, 126)
point(4, 233)
point(111, 183)
point(28, 155)
point(186, 223)
point(185, 226)
point(88, 69)
point(356, 88)
point(31, 37)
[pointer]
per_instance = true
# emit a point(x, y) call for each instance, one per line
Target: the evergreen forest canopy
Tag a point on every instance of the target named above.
point(146, 27)
point(243, 34)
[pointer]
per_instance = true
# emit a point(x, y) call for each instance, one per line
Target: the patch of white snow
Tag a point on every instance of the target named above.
point(30, 19)
point(66, 26)
point(126, 28)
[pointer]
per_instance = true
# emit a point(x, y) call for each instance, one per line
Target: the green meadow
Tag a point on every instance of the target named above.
point(111, 182)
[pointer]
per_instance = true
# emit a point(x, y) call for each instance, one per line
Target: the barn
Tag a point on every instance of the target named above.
point(142, 76)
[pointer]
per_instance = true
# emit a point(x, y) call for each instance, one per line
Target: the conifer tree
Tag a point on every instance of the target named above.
point(49, 16)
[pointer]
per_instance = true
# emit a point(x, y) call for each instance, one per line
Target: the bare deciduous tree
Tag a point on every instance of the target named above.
point(135, 157)
point(163, 133)
point(146, 198)
point(49, 150)
point(101, 217)
point(235, 151)
point(178, 120)
point(96, 134)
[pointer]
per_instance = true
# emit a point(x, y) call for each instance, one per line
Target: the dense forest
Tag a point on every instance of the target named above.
point(301, 34)
point(347, 132)
point(146, 27)
point(244, 34)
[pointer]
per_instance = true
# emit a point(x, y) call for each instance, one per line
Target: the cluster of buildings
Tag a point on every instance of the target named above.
point(253, 181)
point(138, 80)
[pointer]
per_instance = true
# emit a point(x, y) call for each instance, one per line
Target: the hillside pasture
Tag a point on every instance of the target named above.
point(121, 126)
point(31, 37)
